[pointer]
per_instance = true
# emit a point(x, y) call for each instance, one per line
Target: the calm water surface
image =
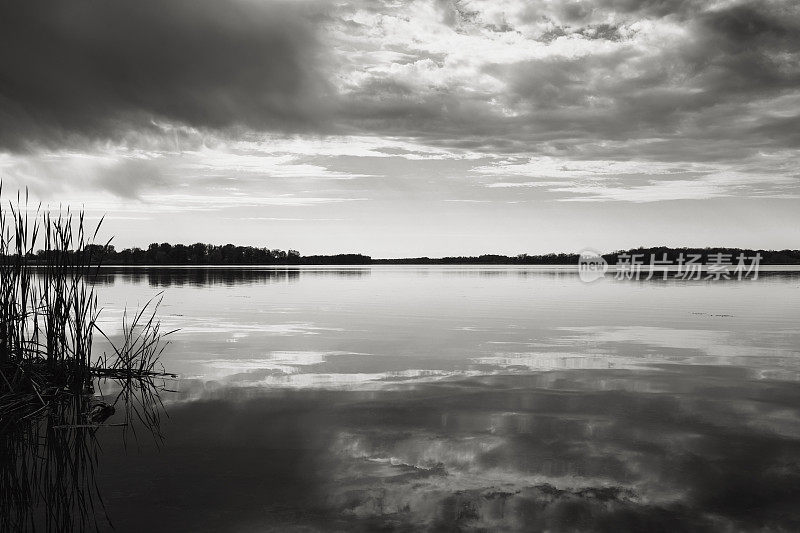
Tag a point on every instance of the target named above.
point(464, 398)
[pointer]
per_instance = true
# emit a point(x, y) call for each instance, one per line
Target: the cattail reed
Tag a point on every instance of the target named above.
point(51, 384)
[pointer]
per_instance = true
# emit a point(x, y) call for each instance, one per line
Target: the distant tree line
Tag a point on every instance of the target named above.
point(768, 257)
point(212, 254)
point(773, 257)
point(486, 259)
point(229, 254)
point(338, 259)
point(195, 254)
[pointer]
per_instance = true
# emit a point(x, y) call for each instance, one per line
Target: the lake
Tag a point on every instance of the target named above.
point(462, 398)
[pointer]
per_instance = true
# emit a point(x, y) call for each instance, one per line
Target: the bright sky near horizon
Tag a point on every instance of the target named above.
point(404, 128)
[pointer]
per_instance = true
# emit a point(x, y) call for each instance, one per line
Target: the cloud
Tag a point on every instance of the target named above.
point(194, 202)
point(510, 76)
point(594, 100)
point(99, 69)
point(645, 181)
point(560, 80)
point(129, 177)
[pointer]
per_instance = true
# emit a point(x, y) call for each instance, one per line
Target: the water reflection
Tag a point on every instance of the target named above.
point(676, 448)
point(202, 276)
point(159, 276)
point(447, 399)
point(50, 452)
point(47, 469)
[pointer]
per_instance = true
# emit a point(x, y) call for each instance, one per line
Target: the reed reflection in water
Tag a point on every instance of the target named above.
point(50, 455)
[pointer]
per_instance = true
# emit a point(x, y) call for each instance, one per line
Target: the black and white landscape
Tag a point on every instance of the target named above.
point(399, 265)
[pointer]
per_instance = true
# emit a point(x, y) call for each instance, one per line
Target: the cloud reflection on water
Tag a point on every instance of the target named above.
point(677, 448)
point(444, 400)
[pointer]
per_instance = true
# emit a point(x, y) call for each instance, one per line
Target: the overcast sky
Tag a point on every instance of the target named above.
point(400, 128)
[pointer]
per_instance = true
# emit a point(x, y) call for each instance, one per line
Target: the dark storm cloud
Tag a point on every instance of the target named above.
point(99, 69)
point(121, 71)
point(747, 49)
